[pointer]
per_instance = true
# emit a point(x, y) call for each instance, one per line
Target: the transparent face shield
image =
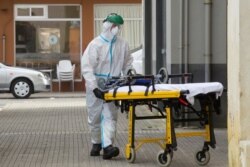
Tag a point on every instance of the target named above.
point(116, 29)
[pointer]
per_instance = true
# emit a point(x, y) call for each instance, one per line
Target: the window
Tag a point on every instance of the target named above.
point(64, 11)
point(30, 11)
point(47, 34)
point(37, 12)
point(132, 15)
point(23, 12)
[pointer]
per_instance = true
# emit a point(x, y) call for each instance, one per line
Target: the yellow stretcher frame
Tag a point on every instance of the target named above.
point(164, 157)
point(141, 95)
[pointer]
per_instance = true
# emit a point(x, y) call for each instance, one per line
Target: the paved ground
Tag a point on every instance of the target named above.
point(51, 130)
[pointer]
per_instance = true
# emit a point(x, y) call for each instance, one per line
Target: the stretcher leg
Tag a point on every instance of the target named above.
point(207, 107)
point(211, 127)
point(171, 141)
point(130, 147)
point(164, 157)
point(202, 157)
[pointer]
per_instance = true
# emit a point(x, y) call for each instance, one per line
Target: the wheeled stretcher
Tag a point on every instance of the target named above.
point(172, 96)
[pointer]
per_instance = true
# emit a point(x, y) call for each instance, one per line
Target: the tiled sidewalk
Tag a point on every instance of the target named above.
point(52, 131)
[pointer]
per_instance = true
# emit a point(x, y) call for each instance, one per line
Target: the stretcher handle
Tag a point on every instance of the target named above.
point(180, 75)
point(134, 77)
point(184, 92)
point(183, 75)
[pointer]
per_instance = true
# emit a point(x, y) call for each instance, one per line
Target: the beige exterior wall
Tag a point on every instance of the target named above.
point(7, 26)
point(238, 83)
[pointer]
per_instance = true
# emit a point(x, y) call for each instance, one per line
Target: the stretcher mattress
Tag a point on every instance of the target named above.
point(193, 88)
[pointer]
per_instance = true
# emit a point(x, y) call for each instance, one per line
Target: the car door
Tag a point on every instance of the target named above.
point(3, 81)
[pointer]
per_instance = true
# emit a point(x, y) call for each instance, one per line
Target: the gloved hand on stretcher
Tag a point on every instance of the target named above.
point(98, 93)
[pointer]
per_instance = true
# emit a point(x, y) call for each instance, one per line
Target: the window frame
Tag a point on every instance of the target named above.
point(45, 18)
point(30, 7)
point(125, 18)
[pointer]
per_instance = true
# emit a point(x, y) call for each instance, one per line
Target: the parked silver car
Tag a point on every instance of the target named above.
point(22, 82)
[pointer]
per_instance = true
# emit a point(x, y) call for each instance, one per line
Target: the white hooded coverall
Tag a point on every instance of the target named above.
point(106, 55)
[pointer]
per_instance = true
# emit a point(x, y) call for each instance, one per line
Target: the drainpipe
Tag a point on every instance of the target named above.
point(186, 37)
point(207, 52)
point(181, 40)
point(186, 48)
point(3, 40)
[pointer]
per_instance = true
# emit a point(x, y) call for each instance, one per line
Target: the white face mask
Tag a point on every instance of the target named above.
point(106, 26)
point(115, 31)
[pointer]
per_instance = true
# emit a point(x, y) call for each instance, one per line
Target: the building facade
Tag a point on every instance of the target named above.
point(188, 36)
point(38, 34)
point(184, 36)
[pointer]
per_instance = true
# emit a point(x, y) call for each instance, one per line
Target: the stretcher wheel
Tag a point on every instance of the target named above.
point(164, 75)
point(171, 153)
point(132, 156)
point(202, 157)
point(164, 159)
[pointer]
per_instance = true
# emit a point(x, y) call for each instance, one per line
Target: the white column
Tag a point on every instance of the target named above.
point(238, 83)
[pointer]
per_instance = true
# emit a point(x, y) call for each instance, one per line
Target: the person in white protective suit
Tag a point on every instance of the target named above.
point(106, 55)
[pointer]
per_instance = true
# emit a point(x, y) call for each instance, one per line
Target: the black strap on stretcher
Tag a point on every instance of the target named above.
point(146, 91)
point(115, 91)
point(130, 81)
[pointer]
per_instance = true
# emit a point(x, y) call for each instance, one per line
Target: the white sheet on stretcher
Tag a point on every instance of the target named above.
point(194, 89)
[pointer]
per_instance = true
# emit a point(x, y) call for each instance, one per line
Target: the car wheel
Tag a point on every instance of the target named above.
point(21, 88)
